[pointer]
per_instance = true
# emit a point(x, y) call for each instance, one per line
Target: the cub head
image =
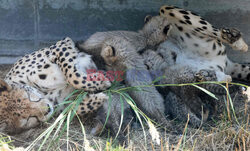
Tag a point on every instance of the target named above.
point(21, 108)
point(156, 29)
point(119, 54)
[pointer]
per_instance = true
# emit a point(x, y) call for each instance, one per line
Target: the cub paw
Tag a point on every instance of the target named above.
point(205, 75)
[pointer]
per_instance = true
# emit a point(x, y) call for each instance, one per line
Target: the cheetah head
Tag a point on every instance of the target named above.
point(21, 109)
point(156, 29)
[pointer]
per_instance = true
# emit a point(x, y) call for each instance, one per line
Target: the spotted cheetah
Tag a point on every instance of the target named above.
point(119, 50)
point(201, 44)
point(39, 82)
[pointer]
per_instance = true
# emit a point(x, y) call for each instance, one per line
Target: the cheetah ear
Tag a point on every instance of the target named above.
point(108, 51)
point(147, 18)
point(4, 86)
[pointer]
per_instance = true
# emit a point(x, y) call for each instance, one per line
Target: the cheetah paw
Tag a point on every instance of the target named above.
point(205, 75)
point(234, 37)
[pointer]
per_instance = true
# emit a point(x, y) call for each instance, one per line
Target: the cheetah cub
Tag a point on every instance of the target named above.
point(120, 51)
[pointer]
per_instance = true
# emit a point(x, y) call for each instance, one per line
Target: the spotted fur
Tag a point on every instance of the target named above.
point(200, 44)
point(40, 81)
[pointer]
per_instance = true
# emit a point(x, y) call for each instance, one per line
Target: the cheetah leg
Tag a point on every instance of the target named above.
point(91, 103)
point(75, 67)
point(191, 22)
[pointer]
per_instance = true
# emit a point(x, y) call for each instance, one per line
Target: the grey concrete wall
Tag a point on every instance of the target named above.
point(27, 25)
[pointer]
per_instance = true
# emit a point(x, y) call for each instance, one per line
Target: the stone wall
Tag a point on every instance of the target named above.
point(27, 25)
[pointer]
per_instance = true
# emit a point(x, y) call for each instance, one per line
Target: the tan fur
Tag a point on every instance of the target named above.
point(42, 80)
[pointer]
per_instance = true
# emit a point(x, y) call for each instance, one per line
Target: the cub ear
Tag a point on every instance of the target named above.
point(4, 86)
point(108, 51)
point(147, 18)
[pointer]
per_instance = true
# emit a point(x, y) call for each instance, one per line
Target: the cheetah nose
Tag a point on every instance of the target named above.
point(166, 29)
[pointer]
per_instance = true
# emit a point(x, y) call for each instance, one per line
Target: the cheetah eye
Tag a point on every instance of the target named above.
point(166, 29)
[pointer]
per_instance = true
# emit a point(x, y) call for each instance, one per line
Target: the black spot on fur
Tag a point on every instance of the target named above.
point(62, 60)
point(189, 22)
point(224, 52)
point(64, 65)
point(214, 33)
point(214, 46)
point(47, 52)
point(219, 67)
point(166, 29)
point(181, 21)
point(64, 49)
point(204, 27)
point(168, 7)
point(174, 56)
point(46, 66)
point(187, 34)
point(180, 28)
point(162, 11)
point(171, 14)
point(184, 12)
point(160, 55)
point(196, 45)
point(219, 53)
point(219, 43)
point(76, 82)
point(66, 54)
point(182, 39)
point(209, 40)
point(186, 17)
point(22, 82)
point(243, 66)
point(61, 53)
point(194, 14)
point(42, 76)
point(203, 22)
point(78, 75)
point(248, 76)
point(239, 76)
